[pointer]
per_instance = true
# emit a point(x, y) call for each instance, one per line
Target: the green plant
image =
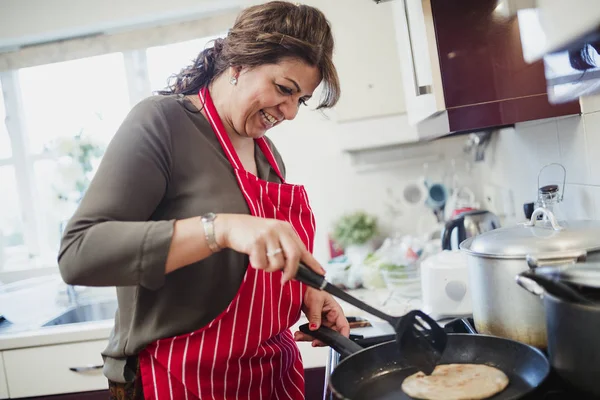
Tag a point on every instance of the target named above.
point(354, 228)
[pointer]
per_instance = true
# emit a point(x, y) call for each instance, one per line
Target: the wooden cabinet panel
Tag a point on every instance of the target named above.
point(314, 383)
point(485, 77)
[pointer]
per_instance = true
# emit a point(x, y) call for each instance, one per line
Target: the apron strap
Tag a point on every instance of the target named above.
point(219, 128)
point(264, 146)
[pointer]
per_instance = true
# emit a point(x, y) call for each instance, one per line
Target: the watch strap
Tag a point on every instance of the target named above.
point(208, 222)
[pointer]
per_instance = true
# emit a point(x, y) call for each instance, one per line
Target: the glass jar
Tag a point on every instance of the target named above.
point(549, 197)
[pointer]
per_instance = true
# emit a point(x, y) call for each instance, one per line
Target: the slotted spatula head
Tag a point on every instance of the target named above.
point(422, 341)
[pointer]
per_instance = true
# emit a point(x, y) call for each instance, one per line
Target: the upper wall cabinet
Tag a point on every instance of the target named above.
point(463, 67)
point(366, 57)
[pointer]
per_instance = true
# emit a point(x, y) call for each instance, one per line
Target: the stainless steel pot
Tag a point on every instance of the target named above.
point(573, 345)
point(495, 258)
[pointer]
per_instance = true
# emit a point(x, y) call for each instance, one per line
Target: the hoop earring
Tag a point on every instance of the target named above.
point(233, 80)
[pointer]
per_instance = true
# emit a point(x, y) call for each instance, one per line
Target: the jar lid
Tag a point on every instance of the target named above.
point(536, 237)
point(548, 189)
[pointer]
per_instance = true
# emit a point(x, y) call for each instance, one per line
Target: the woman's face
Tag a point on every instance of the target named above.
point(267, 95)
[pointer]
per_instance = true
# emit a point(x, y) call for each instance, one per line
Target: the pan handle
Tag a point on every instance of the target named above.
point(539, 284)
point(556, 258)
point(333, 339)
point(546, 213)
point(530, 285)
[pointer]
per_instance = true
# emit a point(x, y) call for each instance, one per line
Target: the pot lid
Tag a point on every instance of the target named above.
point(541, 237)
point(583, 274)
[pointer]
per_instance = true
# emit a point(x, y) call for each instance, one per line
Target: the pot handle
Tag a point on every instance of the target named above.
point(557, 258)
point(546, 213)
point(333, 339)
point(530, 285)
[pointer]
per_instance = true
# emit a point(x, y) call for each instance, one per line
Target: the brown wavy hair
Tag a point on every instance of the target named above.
point(266, 34)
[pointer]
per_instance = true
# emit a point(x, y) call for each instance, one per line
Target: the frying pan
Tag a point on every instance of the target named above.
point(377, 372)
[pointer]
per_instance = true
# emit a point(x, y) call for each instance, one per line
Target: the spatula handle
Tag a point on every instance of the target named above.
point(311, 278)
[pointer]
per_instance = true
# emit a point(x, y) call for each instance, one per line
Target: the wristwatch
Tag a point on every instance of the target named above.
point(208, 221)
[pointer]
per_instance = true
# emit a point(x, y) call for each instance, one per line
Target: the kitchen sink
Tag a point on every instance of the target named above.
point(86, 313)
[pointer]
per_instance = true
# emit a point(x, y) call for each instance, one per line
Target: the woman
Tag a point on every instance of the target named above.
point(190, 218)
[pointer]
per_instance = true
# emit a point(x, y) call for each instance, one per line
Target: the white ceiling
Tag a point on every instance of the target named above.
point(27, 22)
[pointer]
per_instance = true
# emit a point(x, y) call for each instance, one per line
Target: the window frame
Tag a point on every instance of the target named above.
point(23, 160)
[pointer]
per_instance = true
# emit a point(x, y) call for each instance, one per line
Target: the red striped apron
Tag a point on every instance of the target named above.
point(248, 351)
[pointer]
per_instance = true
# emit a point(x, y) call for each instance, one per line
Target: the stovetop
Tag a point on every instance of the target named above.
point(553, 388)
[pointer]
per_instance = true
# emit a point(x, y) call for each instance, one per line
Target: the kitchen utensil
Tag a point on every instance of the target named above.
point(573, 345)
point(421, 339)
point(466, 225)
point(555, 287)
point(462, 198)
point(586, 276)
point(528, 209)
point(502, 308)
point(377, 372)
point(445, 285)
point(437, 195)
point(415, 193)
point(403, 283)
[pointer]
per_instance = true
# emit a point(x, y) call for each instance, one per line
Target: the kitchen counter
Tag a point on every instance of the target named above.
point(51, 335)
point(99, 330)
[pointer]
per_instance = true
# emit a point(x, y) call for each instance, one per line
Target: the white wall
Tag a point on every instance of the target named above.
point(310, 146)
point(517, 155)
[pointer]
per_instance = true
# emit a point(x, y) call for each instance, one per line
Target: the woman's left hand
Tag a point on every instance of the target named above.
point(321, 308)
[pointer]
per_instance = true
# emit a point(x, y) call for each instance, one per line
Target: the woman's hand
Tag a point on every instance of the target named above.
point(321, 308)
point(271, 244)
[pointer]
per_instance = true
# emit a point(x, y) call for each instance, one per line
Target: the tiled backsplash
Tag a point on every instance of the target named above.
point(516, 156)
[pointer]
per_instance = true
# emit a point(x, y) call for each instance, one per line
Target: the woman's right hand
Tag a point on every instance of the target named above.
point(271, 244)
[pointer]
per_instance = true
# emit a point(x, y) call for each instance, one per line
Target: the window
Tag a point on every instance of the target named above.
point(5, 149)
point(65, 104)
point(11, 224)
point(63, 109)
point(164, 61)
point(63, 99)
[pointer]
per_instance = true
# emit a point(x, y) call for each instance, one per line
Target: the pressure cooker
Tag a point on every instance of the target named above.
point(496, 258)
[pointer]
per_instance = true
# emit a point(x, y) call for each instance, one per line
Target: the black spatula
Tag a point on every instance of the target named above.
point(422, 341)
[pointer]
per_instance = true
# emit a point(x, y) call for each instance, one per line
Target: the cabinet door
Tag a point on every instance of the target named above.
point(3, 385)
point(96, 395)
point(47, 370)
point(417, 49)
point(366, 58)
point(486, 80)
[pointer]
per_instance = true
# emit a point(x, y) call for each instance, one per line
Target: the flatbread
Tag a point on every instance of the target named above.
point(456, 382)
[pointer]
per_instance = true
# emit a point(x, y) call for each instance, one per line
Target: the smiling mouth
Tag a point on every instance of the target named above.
point(268, 118)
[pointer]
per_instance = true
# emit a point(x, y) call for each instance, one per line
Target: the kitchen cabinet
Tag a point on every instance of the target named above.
point(3, 385)
point(314, 383)
point(97, 395)
point(50, 369)
point(366, 59)
point(463, 67)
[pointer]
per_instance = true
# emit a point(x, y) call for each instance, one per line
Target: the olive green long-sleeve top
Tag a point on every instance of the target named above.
point(163, 164)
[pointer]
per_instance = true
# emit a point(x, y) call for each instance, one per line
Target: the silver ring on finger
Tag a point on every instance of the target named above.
point(272, 253)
